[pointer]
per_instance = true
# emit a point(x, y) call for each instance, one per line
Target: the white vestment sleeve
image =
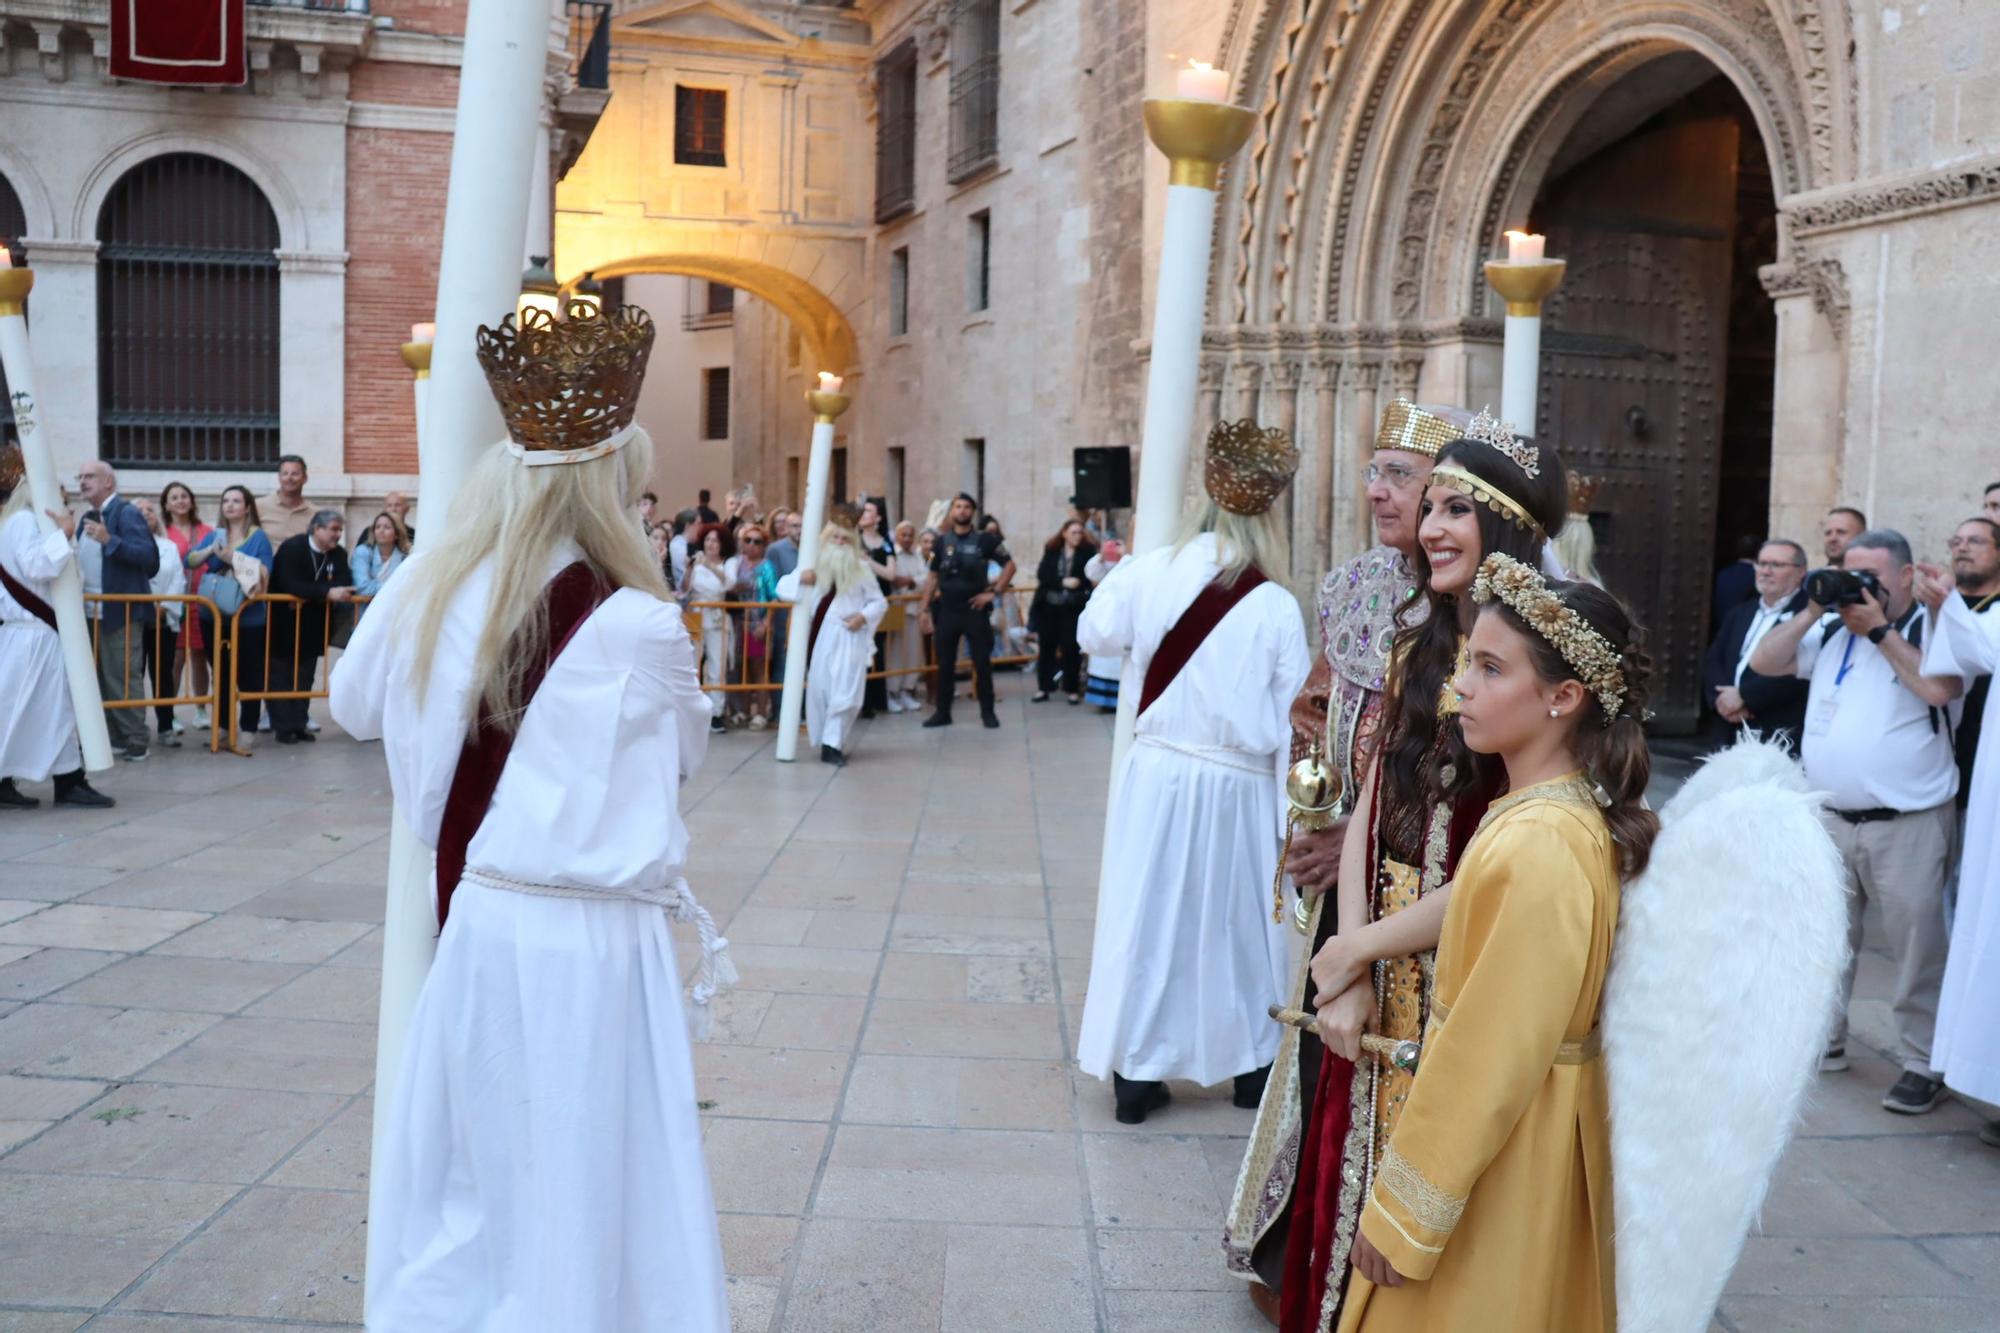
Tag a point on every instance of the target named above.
point(666, 656)
point(36, 557)
point(873, 604)
point(357, 686)
point(1105, 629)
point(788, 587)
point(1961, 643)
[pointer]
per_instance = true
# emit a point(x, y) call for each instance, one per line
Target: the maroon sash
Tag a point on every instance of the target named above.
point(1210, 605)
point(819, 618)
point(572, 595)
point(34, 605)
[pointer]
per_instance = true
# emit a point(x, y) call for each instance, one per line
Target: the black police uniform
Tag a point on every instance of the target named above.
point(959, 560)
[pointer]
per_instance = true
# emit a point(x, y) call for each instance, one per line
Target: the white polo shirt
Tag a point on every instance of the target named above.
point(1869, 741)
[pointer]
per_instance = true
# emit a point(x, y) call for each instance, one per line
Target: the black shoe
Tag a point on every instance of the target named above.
point(1250, 1088)
point(1914, 1094)
point(11, 798)
point(990, 721)
point(1137, 1099)
point(829, 755)
point(1039, 697)
point(135, 753)
point(1834, 1060)
point(1075, 699)
point(287, 737)
point(169, 740)
point(938, 720)
point(716, 726)
point(83, 794)
point(867, 713)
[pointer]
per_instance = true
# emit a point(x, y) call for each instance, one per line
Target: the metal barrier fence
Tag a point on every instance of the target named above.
point(332, 617)
point(741, 652)
point(159, 646)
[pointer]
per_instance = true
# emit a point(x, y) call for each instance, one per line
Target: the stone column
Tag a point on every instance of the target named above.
point(1208, 409)
point(311, 381)
point(1352, 527)
point(1325, 456)
point(1808, 392)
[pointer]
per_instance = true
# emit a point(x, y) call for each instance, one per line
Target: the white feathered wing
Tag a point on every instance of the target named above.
point(1724, 976)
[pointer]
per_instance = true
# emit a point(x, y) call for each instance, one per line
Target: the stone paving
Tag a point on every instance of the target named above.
point(897, 1136)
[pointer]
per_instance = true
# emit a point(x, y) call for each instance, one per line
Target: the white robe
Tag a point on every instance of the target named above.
point(1186, 960)
point(1966, 1047)
point(543, 1165)
point(838, 676)
point(37, 721)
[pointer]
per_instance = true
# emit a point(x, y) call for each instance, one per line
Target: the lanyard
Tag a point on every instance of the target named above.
point(1846, 662)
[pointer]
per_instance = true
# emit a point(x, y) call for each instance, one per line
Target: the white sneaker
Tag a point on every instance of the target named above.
point(311, 725)
point(201, 717)
point(895, 703)
point(757, 722)
point(178, 728)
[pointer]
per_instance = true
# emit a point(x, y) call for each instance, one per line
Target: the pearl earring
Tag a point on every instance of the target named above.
point(1554, 713)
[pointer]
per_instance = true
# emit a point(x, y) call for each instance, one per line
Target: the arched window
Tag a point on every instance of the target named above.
point(187, 317)
point(13, 221)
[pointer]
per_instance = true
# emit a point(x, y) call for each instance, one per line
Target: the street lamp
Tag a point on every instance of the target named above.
point(539, 289)
point(589, 292)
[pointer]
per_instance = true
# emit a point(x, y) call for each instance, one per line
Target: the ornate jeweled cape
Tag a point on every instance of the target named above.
point(1340, 707)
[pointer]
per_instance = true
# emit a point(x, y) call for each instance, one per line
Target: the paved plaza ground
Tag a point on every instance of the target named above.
point(896, 1132)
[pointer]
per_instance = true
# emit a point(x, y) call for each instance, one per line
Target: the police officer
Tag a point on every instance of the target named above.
point(958, 602)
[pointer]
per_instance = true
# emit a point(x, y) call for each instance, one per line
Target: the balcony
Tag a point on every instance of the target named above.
point(590, 42)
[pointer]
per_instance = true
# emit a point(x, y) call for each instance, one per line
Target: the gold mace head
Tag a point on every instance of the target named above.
point(1314, 791)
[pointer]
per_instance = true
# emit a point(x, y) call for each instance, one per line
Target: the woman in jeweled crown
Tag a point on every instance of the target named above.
point(1491, 1208)
point(1488, 493)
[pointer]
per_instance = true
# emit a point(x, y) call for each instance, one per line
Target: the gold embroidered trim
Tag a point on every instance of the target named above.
point(1431, 1208)
point(1571, 790)
point(1390, 1218)
point(1580, 1052)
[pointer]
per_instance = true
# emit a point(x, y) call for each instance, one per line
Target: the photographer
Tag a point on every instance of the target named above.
point(1878, 740)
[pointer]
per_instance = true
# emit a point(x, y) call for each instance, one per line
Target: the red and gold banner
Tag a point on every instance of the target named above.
point(178, 41)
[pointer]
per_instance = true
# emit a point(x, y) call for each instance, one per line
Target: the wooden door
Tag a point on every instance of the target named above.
point(1633, 359)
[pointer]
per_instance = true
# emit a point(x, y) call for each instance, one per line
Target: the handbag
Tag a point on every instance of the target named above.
point(224, 591)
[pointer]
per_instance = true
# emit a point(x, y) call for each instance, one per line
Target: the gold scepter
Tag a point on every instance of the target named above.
point(1313, 792)
point(1402, 1054)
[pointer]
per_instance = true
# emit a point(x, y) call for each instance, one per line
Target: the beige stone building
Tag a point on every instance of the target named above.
point(1778, 216)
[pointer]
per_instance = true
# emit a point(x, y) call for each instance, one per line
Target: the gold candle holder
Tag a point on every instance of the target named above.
point(827, 407)
point(1525, 284)
point(1197, 136)
point(417, 356)
point(15, 284)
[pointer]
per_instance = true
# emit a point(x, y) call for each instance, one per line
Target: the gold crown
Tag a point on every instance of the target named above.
point(1248, 466)
point(568, 384)
point(1583, 492)
point(1419, 430)
point(1489, 430)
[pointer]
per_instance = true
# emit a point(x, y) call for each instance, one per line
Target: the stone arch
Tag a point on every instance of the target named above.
point(33, 195)
point(275, 185)
point(815, 283)
point(1379, 111)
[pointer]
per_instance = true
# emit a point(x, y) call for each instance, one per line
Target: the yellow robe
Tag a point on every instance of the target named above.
point(1494, 1195)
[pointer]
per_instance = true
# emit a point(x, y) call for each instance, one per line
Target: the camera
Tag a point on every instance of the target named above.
point(1843, 587)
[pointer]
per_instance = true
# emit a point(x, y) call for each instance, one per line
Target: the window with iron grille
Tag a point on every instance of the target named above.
point(715, 403)
point(975, 88)
point(13, 221)
point(899, 291)
point(699, 118)
point(979, 261)
point(187, 317)
point(896, 132)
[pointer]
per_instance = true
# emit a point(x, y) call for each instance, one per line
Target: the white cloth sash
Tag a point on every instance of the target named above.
point(714, 973)
point(1225, 756)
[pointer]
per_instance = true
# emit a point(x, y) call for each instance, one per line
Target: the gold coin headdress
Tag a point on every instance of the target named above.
point(1248, 466)
point(1523, 590)
point(568, 388)
point(1419, 430)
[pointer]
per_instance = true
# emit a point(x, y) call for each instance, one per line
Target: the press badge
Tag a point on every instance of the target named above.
point(1819, 718)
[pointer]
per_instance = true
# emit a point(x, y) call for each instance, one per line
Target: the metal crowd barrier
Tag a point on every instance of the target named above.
point(164, 642)
point(306, 616)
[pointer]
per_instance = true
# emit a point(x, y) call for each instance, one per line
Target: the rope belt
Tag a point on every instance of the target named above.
point(1223, 756)
point(712, 974)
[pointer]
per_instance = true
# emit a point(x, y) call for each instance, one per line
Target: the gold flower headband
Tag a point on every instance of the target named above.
point(1524, 592)
point(1458, 479)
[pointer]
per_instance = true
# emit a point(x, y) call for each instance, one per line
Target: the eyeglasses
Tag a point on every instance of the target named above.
point(1773, 566)
point(1399, 475)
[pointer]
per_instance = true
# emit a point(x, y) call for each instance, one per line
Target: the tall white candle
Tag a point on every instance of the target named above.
point(423, 333)
point(1203, 82)
point(1524, 247)
point(830, 382)
point(6, 257)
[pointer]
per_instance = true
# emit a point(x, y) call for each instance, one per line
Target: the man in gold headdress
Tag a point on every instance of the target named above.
point(535, 689)
point(1340, 710)
point(1187, 958)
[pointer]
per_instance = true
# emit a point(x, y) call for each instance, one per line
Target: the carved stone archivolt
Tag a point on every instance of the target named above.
point(1970, 182)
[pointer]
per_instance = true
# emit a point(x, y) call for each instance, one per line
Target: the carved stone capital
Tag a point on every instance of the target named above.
point(1822, 279)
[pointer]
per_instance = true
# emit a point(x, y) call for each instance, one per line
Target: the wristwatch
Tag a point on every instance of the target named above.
point(1879, 633)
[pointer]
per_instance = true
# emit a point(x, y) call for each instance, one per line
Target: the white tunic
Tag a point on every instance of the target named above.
point(838, 676)
point(1187, 960)
point(543, 1165)
point(1966, 1047)
point(37, 721)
